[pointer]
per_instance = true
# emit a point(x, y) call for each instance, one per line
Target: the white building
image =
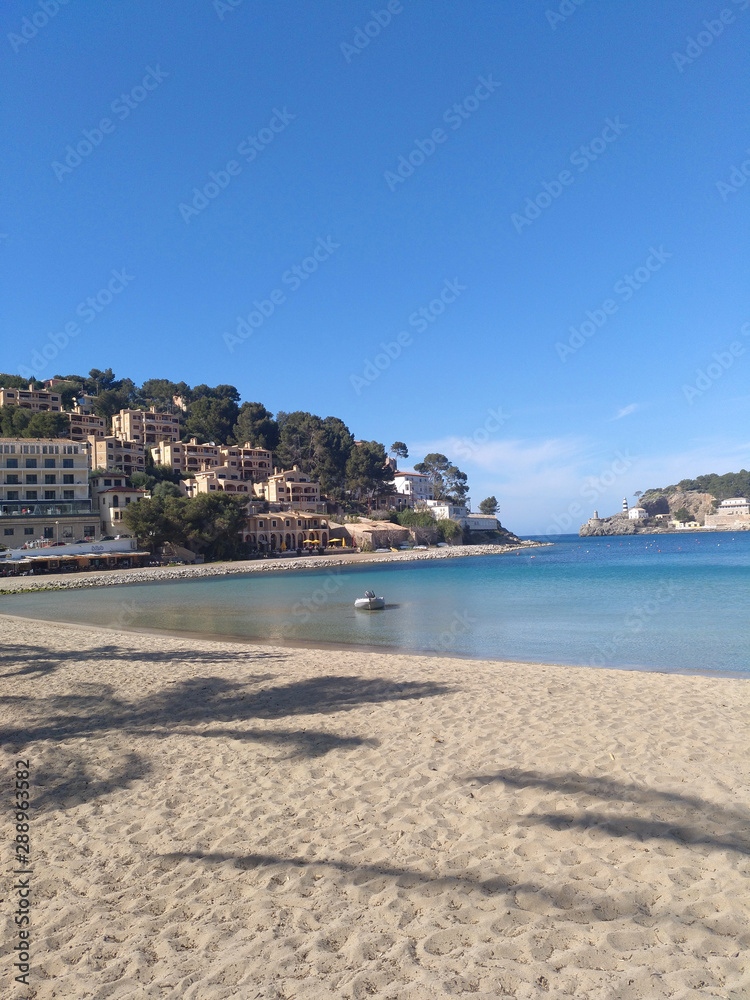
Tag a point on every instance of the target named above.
point(732, 513)
point(415, 485)
point(637, 514)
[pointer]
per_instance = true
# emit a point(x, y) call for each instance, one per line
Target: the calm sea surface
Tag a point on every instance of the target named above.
point(670, 602)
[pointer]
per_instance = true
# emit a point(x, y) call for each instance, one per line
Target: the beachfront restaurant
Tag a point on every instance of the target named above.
point(286, 531)
point(52, 563)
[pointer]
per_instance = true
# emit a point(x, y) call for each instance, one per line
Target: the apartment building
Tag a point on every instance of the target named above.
point(220, 478)
point(291, 489)
point(113, 455)
point(146, 427)
point(44, 491)
point(251, 463)
point(187, 456)
point(84, 424)
point(37, 400)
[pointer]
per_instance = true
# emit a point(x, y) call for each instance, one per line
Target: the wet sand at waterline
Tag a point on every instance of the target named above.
point(212, 820)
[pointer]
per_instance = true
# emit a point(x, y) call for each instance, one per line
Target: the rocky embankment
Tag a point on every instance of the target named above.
point(111, 578)
point(697, 504)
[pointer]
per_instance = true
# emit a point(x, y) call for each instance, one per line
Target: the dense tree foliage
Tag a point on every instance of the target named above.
point(731, 484)
point(160, 393)
point(399, 450)
point(415, 518)
point(208, 524)
point(17, 382)
point(448, 482)
point(211, 418)
point(321, 448)
point(488, 506)
point(255, 424)
point(367, 475)
point(15, 421)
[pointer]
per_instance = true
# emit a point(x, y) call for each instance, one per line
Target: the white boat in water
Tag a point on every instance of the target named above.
point(370, 602)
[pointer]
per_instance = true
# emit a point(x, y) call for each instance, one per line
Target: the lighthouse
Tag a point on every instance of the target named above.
point(624, 505)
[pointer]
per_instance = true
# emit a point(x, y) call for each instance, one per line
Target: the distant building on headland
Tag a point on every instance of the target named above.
point(637, 514)
point(732, 513)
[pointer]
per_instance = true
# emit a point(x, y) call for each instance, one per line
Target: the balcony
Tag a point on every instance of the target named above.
point(45, 508)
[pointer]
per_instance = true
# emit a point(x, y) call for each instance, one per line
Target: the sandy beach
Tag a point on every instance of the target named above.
point(214, 820)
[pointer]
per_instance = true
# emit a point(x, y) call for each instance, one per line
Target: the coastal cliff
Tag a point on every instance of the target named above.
point(661, 509)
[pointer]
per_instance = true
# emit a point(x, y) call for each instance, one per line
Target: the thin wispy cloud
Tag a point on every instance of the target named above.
point(626, 411)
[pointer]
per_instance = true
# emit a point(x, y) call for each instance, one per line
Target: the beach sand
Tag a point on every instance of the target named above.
point(215, 820)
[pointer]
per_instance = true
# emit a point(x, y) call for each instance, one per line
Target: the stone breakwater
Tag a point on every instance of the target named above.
point(112, 578)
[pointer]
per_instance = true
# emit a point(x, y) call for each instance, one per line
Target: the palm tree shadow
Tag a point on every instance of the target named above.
point(671, 815)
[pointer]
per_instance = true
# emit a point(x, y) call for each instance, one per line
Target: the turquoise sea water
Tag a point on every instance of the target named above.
point(670, 602)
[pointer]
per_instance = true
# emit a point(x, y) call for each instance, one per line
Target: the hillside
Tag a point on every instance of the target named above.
point(731, 484)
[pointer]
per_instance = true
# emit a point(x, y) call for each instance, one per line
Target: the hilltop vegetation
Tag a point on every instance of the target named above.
point(731, 484)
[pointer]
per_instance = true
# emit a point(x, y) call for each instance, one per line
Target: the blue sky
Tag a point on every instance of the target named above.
point(571, 217)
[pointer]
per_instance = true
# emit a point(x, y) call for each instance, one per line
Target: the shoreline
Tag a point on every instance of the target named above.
point(367, 649)
point(321, 824)
point(109, 578)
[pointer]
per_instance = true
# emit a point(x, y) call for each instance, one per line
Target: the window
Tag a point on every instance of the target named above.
point(49, 463)
point(67, 463)
point(49, 494)
point(12, 479)
point(8, 531)
point(89, 529)
point(49, 531)
point(50, 480)
point(28, 531)
point(68, 494)
point(107, 482)
point(115, 501)
point(30, 463)
point(31, 480)
point(11, 463)
point(12, 494)
point(30, 495)
point(68, 479)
